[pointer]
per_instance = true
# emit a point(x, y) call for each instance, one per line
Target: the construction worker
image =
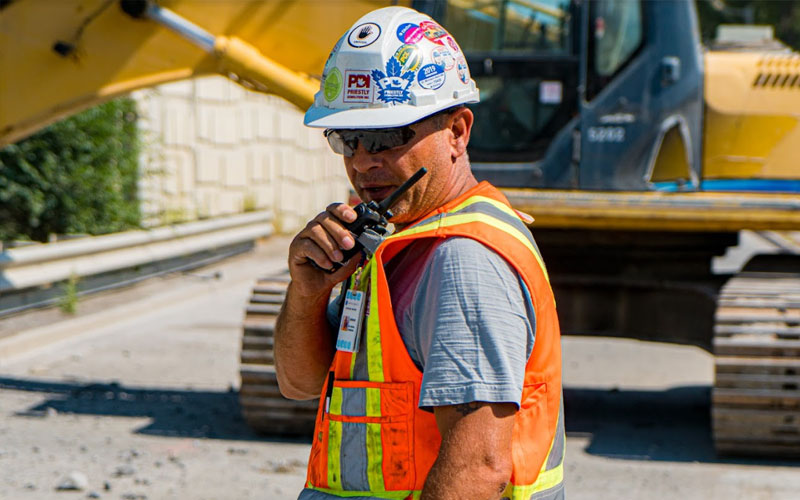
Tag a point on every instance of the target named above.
point(439, 368)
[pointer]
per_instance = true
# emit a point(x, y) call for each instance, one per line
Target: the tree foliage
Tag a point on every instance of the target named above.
point(78, 175)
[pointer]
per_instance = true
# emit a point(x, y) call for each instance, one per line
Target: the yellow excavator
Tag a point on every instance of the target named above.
point(640, 156)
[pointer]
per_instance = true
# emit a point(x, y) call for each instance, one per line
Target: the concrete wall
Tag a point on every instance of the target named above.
point(213, 148)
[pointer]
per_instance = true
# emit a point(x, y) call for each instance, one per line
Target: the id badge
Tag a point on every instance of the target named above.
point(350, 325)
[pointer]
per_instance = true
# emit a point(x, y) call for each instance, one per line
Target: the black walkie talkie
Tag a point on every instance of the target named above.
point(369, 228)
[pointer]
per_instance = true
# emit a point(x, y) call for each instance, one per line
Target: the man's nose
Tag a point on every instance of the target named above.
point(362, 160)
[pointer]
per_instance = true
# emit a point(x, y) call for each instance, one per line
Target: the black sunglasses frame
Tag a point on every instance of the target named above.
point(375, 140)
point(345, 141)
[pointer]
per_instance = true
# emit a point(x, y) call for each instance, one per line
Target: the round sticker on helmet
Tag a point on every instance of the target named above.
point(409, 57)
point(431, 76)
point(432, 31)
point(453, 45)
point(463, 71)
point(333, 85)
point(363, 35)
point(409, 33)
point(443, 57)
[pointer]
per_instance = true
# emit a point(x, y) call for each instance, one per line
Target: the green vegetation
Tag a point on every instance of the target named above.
point(78, 175)
point(69, 301)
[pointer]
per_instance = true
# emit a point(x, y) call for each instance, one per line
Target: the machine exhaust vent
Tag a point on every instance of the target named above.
point(779, 71)
point(777, 80)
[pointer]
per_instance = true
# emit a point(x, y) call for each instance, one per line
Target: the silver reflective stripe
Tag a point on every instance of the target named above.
point(557, 452)
point(488, 209)
point(354, 401)
point(360, 365)
point(554, 493)
point(354, 457)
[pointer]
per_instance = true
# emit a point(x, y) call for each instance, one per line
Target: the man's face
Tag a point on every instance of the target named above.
point(375, 175)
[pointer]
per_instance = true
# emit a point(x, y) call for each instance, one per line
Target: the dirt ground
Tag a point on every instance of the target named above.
point(135, 398)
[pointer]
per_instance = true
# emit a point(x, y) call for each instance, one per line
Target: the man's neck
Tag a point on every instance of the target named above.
point(459, 185)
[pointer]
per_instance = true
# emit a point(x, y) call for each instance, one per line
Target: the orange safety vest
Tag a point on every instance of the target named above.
point(371, 438)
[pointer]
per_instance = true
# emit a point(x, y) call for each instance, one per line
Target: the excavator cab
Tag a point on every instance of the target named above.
point(575, 94)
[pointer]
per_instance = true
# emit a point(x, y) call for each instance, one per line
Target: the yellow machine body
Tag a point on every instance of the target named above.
point(752, 119)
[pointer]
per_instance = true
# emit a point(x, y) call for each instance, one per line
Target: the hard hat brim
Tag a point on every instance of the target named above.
point(356, 118)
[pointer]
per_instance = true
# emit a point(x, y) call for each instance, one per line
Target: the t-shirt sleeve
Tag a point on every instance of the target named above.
point(472, 326)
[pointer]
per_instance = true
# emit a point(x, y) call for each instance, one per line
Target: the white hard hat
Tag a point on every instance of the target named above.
point(393, 67)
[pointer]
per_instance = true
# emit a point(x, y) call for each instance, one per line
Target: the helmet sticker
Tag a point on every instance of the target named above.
point(409, 57)
point(393, 85)
point(433, 31)
point(409, 33)
point(443, 57)
point(363, 35)
point(333, 85)
point(463, 71)
point(453, 45)
point(431, 76)
point(329, 61)
point(358, 86)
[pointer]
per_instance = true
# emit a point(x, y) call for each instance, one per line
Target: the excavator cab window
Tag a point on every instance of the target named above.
point(523, 55)
point(616, 28)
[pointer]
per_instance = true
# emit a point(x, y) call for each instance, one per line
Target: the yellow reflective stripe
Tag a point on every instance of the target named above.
point(373, 402)
point(390, 495)
point(334, 453)
point(375, 458)
point(374, 351)
point(353, 365)
point(337, 396)
point(454, 220)
point(483, 199)
point(545, 481)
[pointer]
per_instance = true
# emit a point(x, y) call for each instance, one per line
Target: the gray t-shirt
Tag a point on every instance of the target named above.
point(466, 320)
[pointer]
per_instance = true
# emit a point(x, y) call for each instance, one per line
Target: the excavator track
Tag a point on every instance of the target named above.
point(263, 407)
point(756, 395)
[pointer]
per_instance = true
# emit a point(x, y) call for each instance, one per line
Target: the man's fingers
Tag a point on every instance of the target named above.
point(326, 234)
point(309, 250)
point(341, 236)
point(342, 211)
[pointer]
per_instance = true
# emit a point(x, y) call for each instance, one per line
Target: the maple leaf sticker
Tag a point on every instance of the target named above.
point(393, 85)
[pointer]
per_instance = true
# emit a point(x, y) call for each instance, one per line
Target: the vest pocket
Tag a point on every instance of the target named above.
point(364, 441)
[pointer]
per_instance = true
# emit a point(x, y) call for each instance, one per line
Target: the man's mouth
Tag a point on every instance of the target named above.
point(378, 193)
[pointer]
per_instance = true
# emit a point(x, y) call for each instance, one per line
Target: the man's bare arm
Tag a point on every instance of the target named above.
point(474, 461)
point(304, 345)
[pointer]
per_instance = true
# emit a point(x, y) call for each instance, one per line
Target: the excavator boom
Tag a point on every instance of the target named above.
point(83, 52)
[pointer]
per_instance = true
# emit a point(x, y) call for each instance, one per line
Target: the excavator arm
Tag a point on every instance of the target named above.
point(58, 58)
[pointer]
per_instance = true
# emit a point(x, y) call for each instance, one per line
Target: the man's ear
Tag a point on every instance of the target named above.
point(460, 127)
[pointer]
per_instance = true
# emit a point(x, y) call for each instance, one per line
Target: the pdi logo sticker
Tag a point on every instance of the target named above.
point(363, 35)
point(409, 57)
point(358, 86)
point(431, 76)
point(333, 85)
point(409, 33)
point(393, 85)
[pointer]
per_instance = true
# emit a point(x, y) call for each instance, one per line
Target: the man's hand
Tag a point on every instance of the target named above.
point(322, 241)
point(474, 460)
point(303, 339)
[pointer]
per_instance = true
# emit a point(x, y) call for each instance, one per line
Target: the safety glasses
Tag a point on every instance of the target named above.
point(346, 141)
